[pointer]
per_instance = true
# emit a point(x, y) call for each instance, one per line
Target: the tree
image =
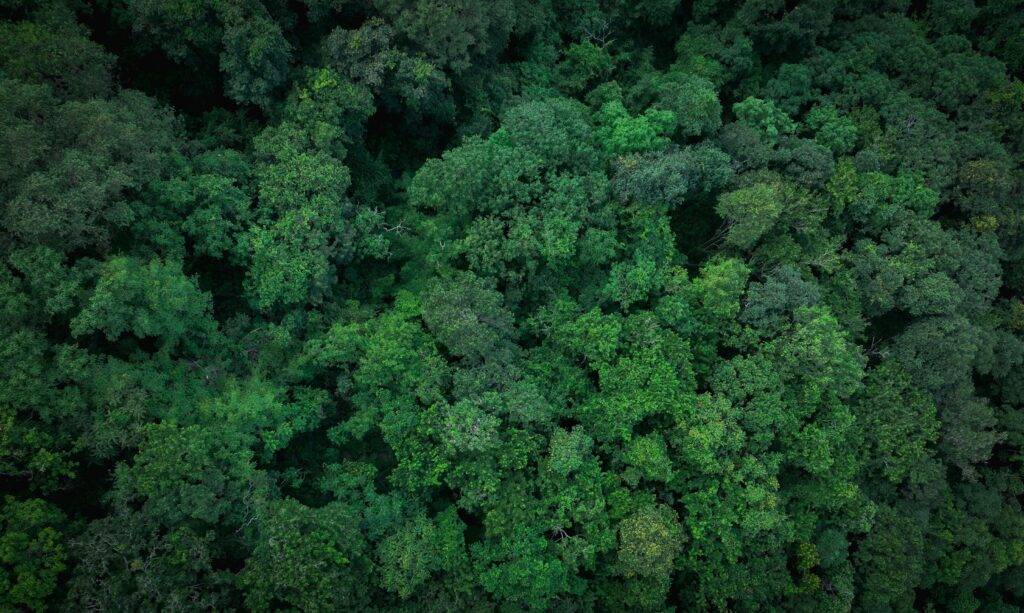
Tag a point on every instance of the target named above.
point(307, 558)
point(752, 211)
point(692, 100)
point(575, 305)
point(673, 179)
point(32, 552)
point(419, 549)
point(453, 34)
point(468, 317)
point(900, 425)
point(255, 56)
point(649, 541)
point(85, 162)
point(305, 221)
point(147, 299)
point(619, 132)
point(57, 55)
point(124, 559)
point(188, 473)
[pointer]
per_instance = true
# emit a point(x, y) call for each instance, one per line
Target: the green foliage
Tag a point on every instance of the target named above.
point(58, 55)
point(619, 132)
point(73, 167)
point(693, 101)
point(901, 426)
point(147, 299)
point(673, 179)
point(125, 560)
point(582, 305)
point(583, 64)
point(832, 130)
point(192, 472)
point(649, 541)
point(752, 211)
point(255, 56)
point(763, 116)
point(33, 552)
point(306, 558)
point(467, 317)
point(420, 548)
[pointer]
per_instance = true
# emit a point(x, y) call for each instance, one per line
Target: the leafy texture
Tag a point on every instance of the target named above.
point(462, 305)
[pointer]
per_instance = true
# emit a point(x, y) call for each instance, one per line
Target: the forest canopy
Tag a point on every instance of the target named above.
point(571, 305)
